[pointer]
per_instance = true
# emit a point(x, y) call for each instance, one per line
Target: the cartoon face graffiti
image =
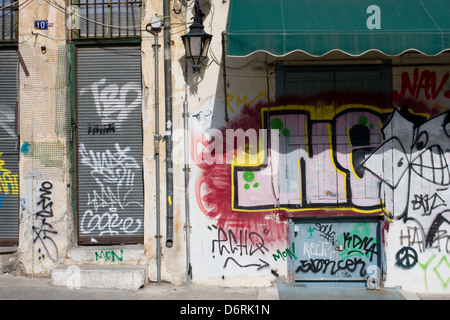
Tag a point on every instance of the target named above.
point(413, 164)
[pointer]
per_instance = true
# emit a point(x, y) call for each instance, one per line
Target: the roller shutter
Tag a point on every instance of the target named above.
point(109, 133)
point(9, 155)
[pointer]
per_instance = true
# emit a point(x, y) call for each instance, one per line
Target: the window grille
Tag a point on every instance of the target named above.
point(106, 19)
point(8, 20)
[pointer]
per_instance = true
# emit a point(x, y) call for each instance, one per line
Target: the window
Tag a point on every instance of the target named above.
point(8, 20)
point(106, 19)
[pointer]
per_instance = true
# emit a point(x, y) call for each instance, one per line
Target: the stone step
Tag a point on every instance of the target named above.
point(99, 277)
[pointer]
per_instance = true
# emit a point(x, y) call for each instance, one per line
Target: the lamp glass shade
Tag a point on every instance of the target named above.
point(196, 43)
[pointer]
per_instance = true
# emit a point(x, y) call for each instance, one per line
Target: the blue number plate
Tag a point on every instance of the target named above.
point(41, 24)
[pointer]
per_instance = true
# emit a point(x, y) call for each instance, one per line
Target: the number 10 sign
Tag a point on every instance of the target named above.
point(41, 24)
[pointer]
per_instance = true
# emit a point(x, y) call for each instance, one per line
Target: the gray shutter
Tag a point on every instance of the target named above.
point(110, 180)
point(9, 158)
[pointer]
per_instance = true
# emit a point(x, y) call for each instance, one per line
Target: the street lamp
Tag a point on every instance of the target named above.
point(196, 41)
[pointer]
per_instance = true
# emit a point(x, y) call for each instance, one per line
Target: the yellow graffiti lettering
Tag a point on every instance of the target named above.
point(243, 100)
point(240, 101)
point(229, 99)
point(323, 132)
point(8, 181)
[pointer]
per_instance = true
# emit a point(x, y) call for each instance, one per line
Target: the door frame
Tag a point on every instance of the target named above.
point(122, 240)
point(281, 70)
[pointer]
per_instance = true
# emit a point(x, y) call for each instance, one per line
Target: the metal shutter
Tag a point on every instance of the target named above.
point(109, 132)
point(9, 155)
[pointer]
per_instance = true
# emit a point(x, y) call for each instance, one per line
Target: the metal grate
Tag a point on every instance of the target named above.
point(45, 113)
point(109, 139)
point(9, 155)
point(106, 19)
point(8, 20)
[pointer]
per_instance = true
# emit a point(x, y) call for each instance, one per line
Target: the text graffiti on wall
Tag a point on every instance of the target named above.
point(110, 255)
point(237, 244)
point(420, 179)
point(101, 128)
point(426, 82)
point(42, 228)
point(357, 159)
point(114, 175)
point(286, 253)
point(345, 251)
point(440, 268)
point(413, 167)
point(113, 104)
point(308, 147)
point(8, 181)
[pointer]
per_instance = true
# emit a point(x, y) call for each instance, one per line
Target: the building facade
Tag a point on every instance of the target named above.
point(296, 155)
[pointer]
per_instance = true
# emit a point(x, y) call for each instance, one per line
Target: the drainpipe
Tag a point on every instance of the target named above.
point(186, 169)
point(224, 73)
point(168, 109)
point(156, 144)
point(154, 28)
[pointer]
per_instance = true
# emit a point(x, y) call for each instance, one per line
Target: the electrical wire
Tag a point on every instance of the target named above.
point(23, 5)
point(66, 10)
point(173, 26)
point(137, 27)
point(19, 7)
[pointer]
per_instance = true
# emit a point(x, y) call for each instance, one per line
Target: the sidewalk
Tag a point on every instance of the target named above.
point(27, 288)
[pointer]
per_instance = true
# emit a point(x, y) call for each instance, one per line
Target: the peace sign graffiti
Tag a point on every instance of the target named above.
point(406, 258)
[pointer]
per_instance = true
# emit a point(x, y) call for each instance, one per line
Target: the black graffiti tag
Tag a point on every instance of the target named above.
point(244, 242)
point(406, 258)
point(43, 229)
point(46, 203)
point(322, 265)
point(427, 203)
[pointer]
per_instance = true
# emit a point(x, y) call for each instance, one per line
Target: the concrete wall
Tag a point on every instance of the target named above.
point(417, 241)
point(46, 222)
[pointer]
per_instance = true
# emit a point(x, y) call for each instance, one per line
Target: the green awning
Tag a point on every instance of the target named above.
point(352, 26)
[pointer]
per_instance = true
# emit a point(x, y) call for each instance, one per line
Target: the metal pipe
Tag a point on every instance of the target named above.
point(154, 28)
point(224, 73)
point(187, 225)
point(157, 138)
point(168, 110)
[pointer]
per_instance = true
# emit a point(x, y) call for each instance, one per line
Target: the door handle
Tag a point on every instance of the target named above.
point(339, 248)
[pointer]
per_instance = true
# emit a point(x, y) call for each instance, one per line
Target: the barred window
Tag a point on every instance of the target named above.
point(8, 20)
point(105, 19)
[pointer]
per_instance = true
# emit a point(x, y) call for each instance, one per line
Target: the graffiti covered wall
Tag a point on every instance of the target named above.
point(417, 189)
point(110, 146)
point(271, 162)
point(233, 244)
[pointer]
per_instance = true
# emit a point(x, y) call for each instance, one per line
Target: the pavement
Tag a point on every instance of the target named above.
point(17, 287)
point(13, 287)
